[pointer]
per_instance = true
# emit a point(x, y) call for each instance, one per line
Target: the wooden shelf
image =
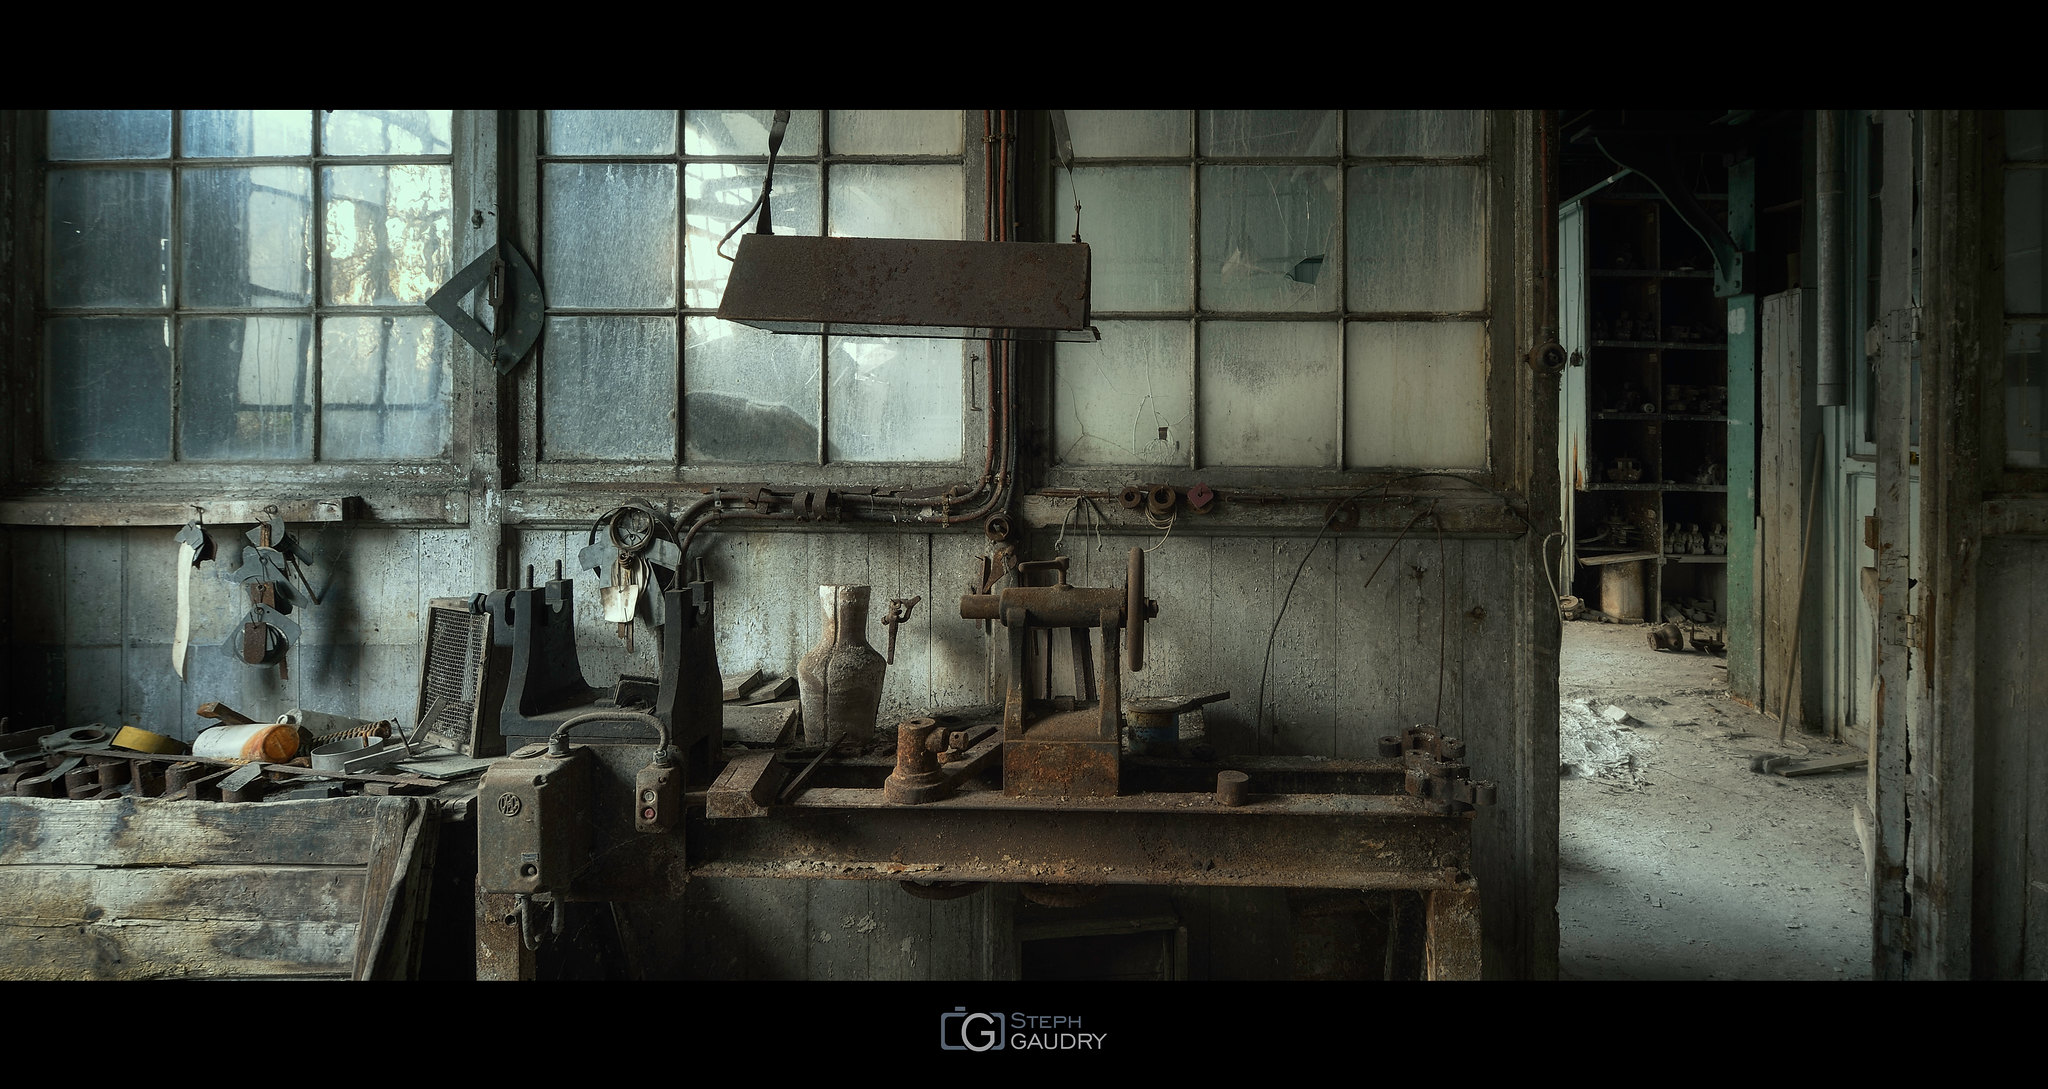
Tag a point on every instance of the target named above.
point(1689, 558)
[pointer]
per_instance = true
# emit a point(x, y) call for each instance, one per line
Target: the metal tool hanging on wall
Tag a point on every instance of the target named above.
point(517, 303)
point(632, 557)
point(272, 558)
point(194, 548)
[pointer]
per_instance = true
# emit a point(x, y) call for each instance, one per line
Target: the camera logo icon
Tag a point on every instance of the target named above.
point(964, 1031)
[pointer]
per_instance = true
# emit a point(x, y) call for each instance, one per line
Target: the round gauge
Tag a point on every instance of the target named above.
point(632, 530)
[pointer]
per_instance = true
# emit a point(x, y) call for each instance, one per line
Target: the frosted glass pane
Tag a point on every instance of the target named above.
point(247, 236)
point(1269, 393)
point(1132, 133)
point(1135, 221)
point(749, 395)
point(1265, 134)
point(385, 132)
point(1127, 400)
point(745, 132)
point(608, 234)
point(110, 237)
point(895, 132)
point(109, 387)
point(896, 201)
point(110, 134)
point(895, 399)
point(2026, 134)
point(608, 390)
point(1417, 238)
point(222, 133)
point(1269, 238)
point(384, 389)
point(1415, 395)
point(715, 196)
point(2024, 221)
point(388, 234)
point(244, 388)
point(611, 132)
point(1416, 132)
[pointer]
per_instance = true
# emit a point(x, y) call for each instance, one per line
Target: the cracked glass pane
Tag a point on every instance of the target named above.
point(1268, 134)
point(715, 196)
point(1127, 400)
point(1269, 238)
point(877, 201)
point(1135, 221)
point(745, 132)
point(748, 395)
point(389, 233)
point(1415, 394)
point(1416, 133)
point(1269, 393)
point(108, 381)
point(894, 399)
point(1417, 238)
point(608, 234)
point(245, 388)
point(611, 132)
point(608, 389)
point(2026, 198)
point(1134, 134)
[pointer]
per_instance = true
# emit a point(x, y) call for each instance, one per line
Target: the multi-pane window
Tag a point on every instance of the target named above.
point(637, 367)
point(2026, 292)
point(245, 285)
point(1278, 288)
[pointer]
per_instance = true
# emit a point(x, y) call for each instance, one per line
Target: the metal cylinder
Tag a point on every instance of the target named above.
point(82, 782)
point(917, 775)
point(1233, 788)
point(112, 771)
point(271, 742)
point(148, 776)
point(1153, 734)
point(178, 775)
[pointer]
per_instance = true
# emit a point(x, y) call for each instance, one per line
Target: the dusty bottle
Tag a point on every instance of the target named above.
point(839, 682)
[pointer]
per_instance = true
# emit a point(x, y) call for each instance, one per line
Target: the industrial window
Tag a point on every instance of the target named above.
point(1279, 288)
point(245, 285)
point(2026, 294)
point(637, 369)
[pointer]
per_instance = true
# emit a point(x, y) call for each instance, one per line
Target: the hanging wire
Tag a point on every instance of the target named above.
point(775, 134)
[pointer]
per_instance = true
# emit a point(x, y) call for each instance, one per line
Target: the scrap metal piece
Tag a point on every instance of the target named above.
point(518, 305)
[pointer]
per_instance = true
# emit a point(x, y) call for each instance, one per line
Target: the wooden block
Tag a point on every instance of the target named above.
point(746, 786)
point(761, 723)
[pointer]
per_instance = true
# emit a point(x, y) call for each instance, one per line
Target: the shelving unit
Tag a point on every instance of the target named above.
point(1650, 438)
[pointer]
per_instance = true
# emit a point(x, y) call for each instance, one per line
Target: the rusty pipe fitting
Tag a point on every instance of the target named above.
point(1132, 497)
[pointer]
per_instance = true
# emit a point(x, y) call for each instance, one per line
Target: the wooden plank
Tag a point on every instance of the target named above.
point(63, 922)
point(1745, 580)
point(1452, 950)
point(1304, 687)
point(394, 912)
point(125, 832)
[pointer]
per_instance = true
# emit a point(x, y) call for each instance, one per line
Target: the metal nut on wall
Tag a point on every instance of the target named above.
point(1160, 500)
point(1132, 497)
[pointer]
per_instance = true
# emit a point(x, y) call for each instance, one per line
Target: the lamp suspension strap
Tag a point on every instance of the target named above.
point(776, 129)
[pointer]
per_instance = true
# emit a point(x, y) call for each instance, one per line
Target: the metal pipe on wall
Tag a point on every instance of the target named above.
point(1830, 385)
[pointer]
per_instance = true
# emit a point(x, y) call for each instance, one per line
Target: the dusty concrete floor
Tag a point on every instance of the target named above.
point(1675, 860)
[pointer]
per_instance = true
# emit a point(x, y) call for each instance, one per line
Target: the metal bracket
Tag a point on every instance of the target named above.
point(516, 301)
point(1901, 630)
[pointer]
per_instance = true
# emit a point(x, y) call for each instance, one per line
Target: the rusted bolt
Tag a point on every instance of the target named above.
point(1478, 612)
point(1232, 788)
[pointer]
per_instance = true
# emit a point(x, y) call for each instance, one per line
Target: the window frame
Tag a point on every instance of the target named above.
point(1503, 295)
point(390, 480)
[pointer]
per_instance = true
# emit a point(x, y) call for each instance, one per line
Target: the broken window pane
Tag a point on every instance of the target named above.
point(246, 133)
point(1127, 400)
point(385, 132)
point(110, 134)
point(874, 201)
point(715, 196)
point(749, 395)
point(1269, 238)
point(1117, 134)
point(247, 236)
point(110, 236)
point(1416, 133)
point(892, 132)
point(244, 390)
point(610, 132)
point(109, 386)
point(1135, 221)
point(1268, 134)
point(893, 399)
point(1269, 393)
point(608, 389)
point(384, 389)
point(608, 234)
point(1415, 394)
point(388, 234)
point(745, 132)
point(1417, 238)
